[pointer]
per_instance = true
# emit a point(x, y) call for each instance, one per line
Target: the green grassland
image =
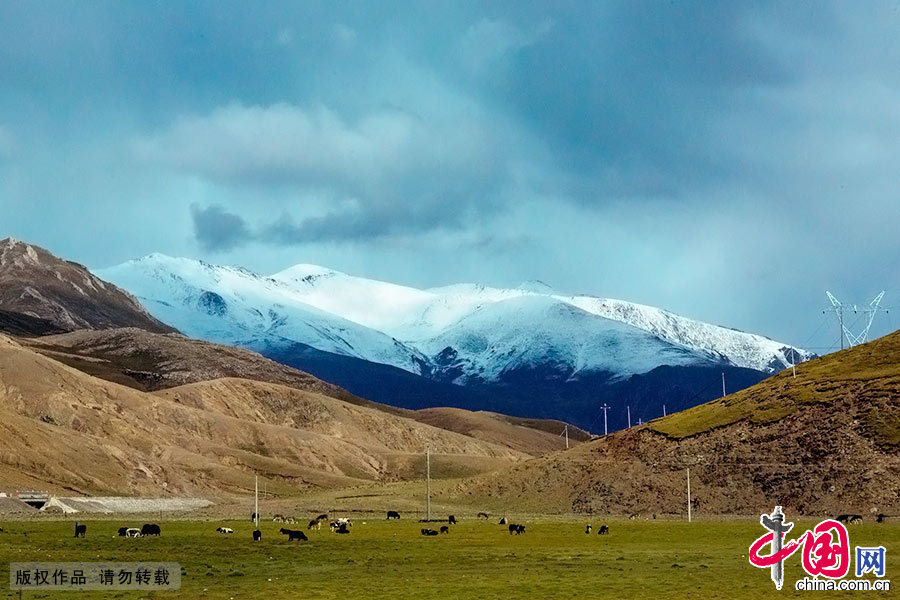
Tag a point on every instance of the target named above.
point(478, 559)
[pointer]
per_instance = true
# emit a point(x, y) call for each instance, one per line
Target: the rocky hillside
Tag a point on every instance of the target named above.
point(63, 429)
point(40, 293)
point(152, 361)
point(825, 442)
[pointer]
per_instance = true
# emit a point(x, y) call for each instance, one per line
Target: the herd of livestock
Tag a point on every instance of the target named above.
point(342, 525)
point(339, 525)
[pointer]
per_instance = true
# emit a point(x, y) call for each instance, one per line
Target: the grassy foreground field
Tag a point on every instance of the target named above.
point(478, 559)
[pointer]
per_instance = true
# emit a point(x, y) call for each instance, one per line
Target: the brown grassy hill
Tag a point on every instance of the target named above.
point(827, 441)
point(532, 436)
point(60, 294)
point(152, 361)
point(63, 429)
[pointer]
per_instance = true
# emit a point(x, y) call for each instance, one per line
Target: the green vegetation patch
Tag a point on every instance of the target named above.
point(478, 559)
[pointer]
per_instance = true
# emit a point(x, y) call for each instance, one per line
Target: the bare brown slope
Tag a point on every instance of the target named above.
point(72, 431)
point(62, 294)
point(532, 436)
point(825, 442)
point(152, 361)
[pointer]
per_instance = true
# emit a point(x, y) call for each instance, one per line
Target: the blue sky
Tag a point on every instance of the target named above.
point(728, 161)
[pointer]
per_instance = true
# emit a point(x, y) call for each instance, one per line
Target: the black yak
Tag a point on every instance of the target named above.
point(294, 534)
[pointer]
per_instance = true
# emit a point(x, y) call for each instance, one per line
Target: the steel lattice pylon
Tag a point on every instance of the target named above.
point(838, 309)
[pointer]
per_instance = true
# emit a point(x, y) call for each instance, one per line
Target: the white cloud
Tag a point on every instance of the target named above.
point(315, 146)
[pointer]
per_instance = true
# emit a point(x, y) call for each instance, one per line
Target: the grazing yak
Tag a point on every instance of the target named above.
point(294, 534)
point(253, 517)
point(257, 535)
point(452, 520)
point(879, 519)
point(150, 529)
point(341, 529)
point(133, 532)
point(224, 530)
point(603, 530)
point(482, 515)
point(429, 532)
point(445, 529)
point(850, 519)
point(516, 529)
point(323, 517)
point(315, 523)
point(393, 514)
point(502, 521)
point(80, 530)
point(278, 518)
point(588, 528)
point(122, 531)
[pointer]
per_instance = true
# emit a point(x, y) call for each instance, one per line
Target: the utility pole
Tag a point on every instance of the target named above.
point(723, 384)
point(567, 436)
point(640, 421)
point(689, 493)
point(794, 362)
point(664, 410)
point(605, 408)
point(428, 484)
point(256, 495)
point(628, 408)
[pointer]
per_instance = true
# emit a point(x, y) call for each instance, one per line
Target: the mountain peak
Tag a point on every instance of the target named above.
point(52, 293)
point(304, 272)
point(535, 286)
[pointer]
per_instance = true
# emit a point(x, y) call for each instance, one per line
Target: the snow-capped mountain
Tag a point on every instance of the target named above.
point(422, 317)
point(526, 351)
point(234, 306)
point(454, 333)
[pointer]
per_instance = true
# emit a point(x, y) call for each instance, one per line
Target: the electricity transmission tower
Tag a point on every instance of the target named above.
point(838, 309)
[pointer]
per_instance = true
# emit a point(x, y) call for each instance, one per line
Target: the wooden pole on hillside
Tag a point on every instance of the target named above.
point(256, 495)
point(689, 493)
point(567, 436)
point(723, 384)
point(428, 484)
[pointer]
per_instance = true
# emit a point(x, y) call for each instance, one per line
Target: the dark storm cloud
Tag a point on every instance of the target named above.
point(218, 230)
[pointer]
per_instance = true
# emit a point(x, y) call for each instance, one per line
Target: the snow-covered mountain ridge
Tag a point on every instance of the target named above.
point(455, 333)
